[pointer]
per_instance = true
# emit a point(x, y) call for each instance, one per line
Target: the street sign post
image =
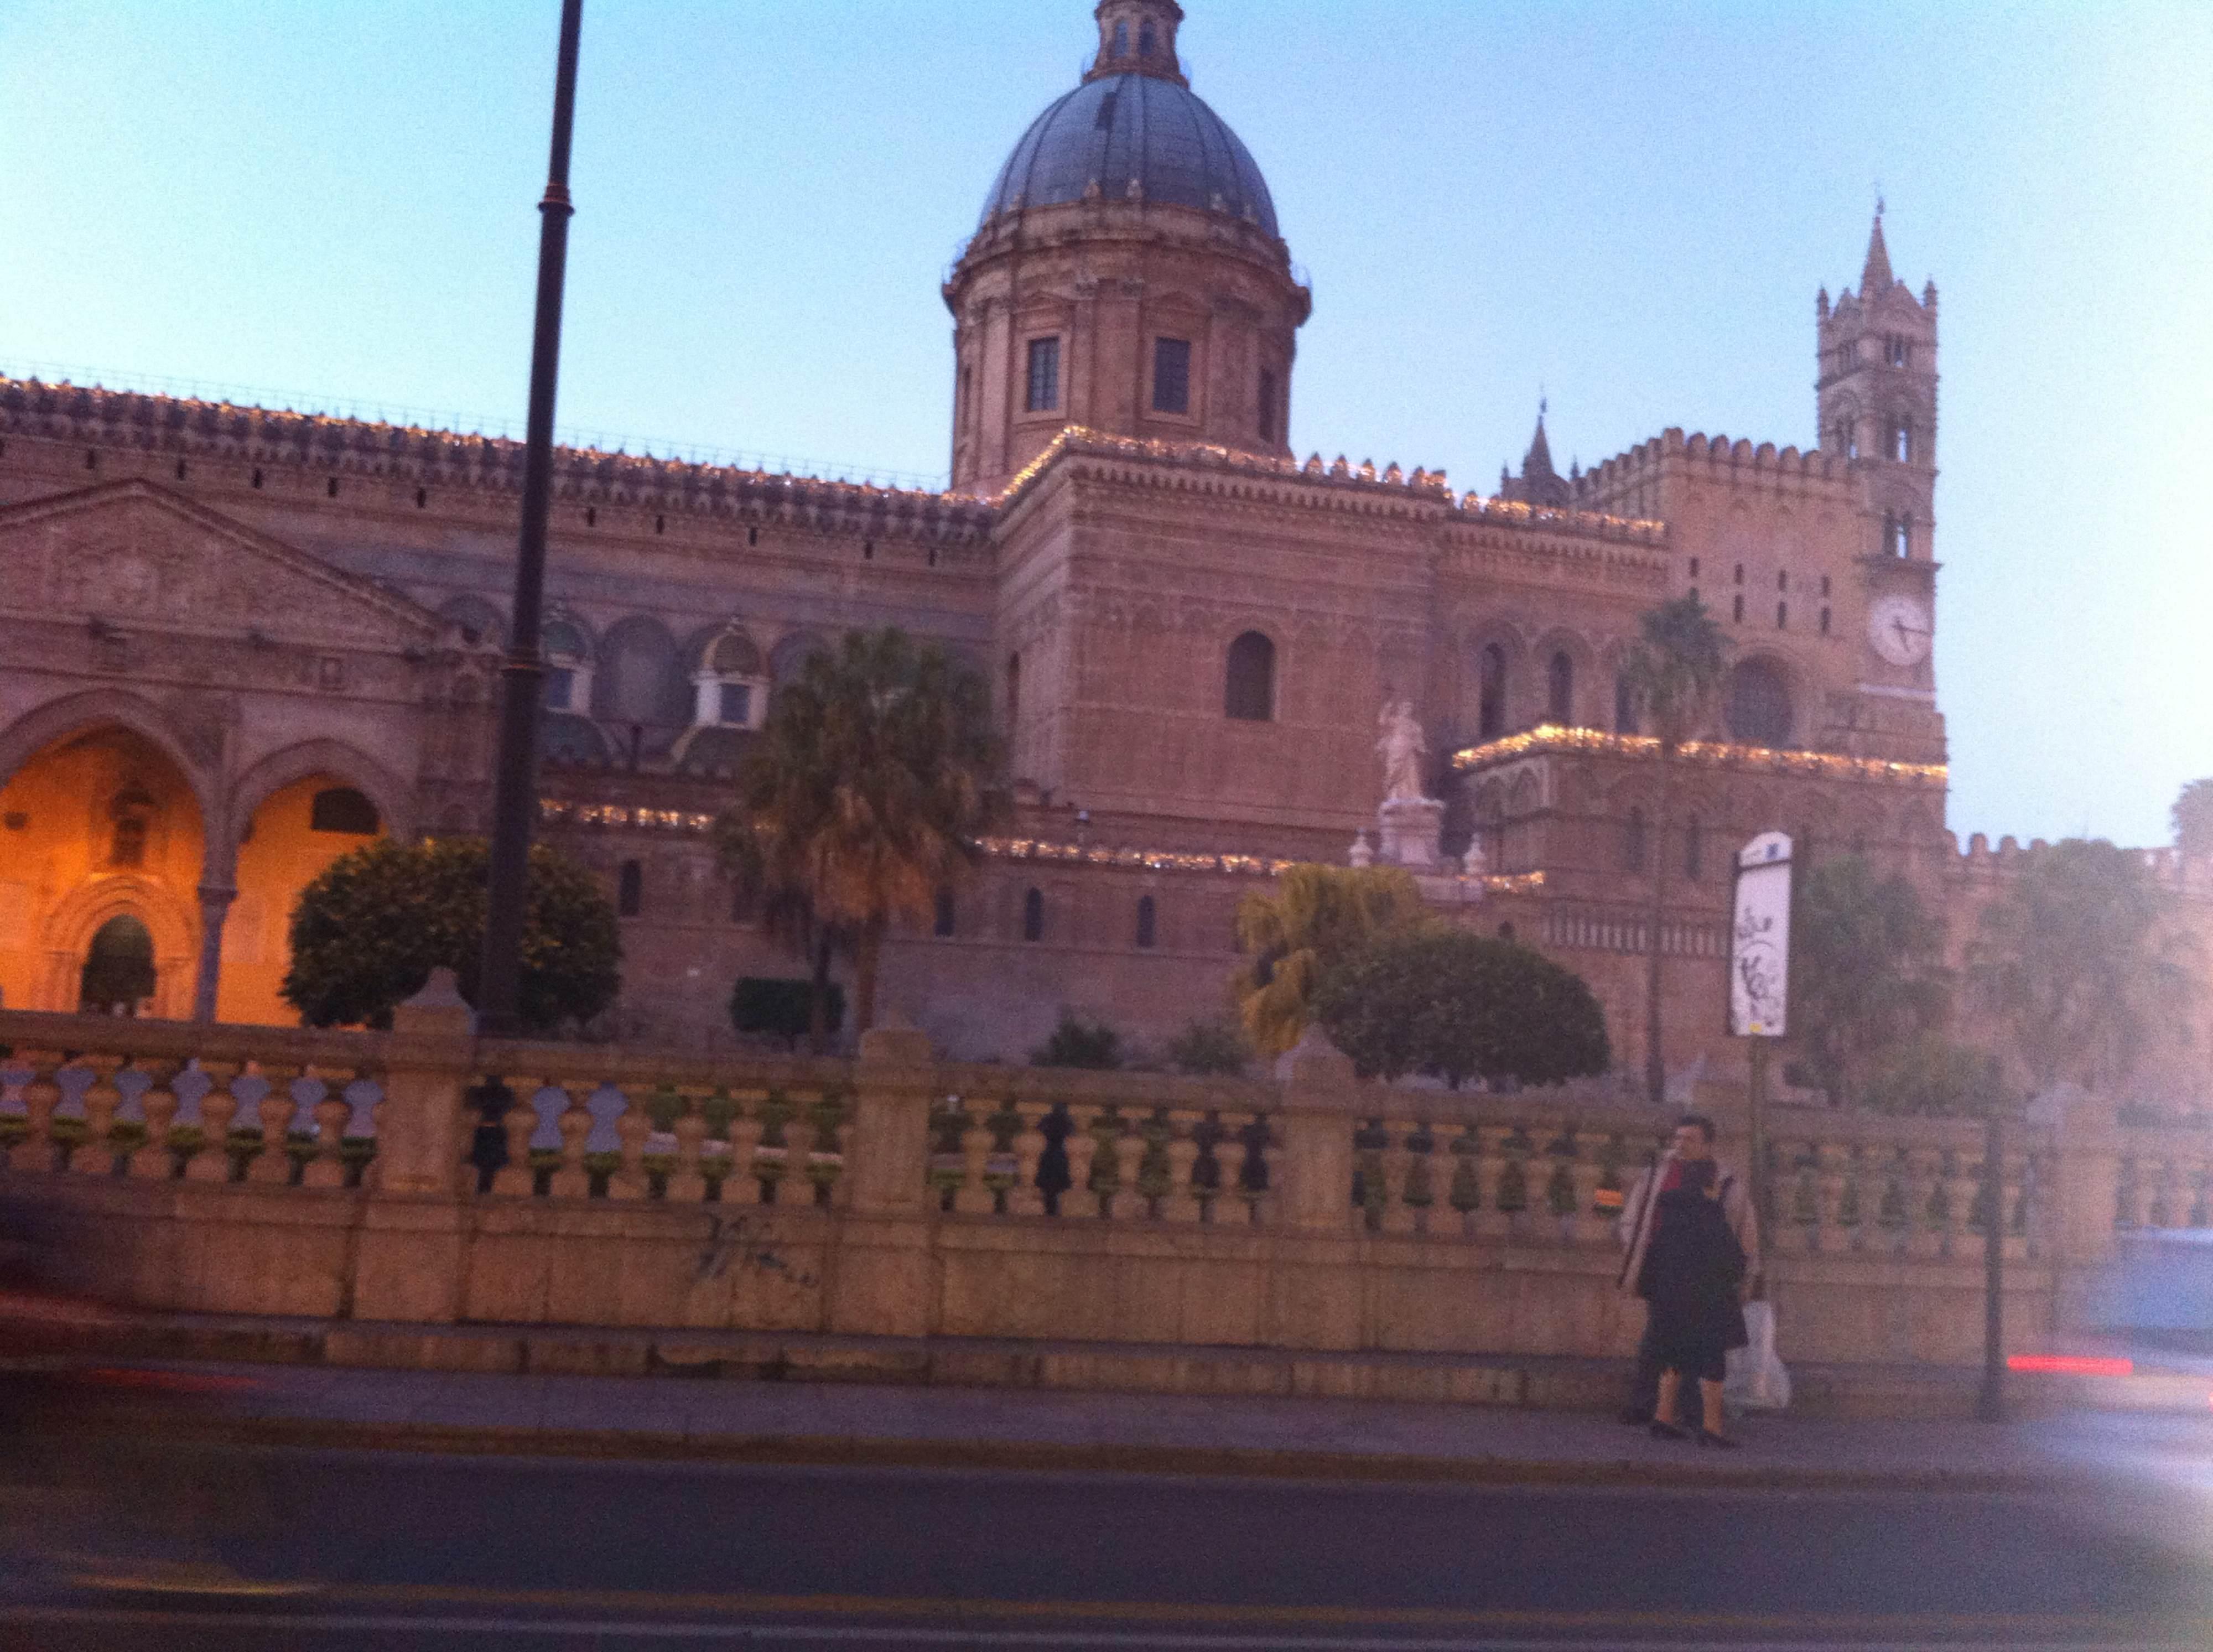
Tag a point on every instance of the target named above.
point(1759, 989)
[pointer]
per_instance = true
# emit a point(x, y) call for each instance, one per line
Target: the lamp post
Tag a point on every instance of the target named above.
point(499, 978)
point(1990, 1405)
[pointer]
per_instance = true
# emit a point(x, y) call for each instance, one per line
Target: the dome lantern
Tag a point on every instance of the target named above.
point(1138, 36)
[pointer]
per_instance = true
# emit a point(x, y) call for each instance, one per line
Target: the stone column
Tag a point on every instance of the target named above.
point(215, 907)
point(408, 1265)
point(881, 1268)
point(1321, 1106)
point(2078, 1206)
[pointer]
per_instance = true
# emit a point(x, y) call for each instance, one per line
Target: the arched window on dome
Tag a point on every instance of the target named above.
point(1491, 693)
point(1560, 689)
point(1121, 39)
point(1249, 688)
point(568, 667)
point(731, 688)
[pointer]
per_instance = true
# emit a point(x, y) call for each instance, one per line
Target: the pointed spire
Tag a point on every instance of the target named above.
point(1539, 460)
point(1876, 277)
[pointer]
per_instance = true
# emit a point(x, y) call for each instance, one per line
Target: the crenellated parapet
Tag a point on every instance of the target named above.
point(262, 437)
point(1721, 457)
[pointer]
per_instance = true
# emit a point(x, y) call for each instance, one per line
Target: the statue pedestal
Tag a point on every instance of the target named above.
point(1408, 828)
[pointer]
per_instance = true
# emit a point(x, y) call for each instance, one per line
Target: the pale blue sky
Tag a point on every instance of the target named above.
point(1631, 205)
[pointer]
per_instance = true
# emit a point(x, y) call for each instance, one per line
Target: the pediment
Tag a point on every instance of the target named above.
point(135, 554)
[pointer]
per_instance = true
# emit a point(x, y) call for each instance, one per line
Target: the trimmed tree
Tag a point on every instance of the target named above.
point(867, 792)
point(370, 927)
point(1461, 1006)
point(774, 1007)
point(2192, 816)
point(1317, 917)
point(1866, 973)
point(1674, 675)
point(1078, 1043)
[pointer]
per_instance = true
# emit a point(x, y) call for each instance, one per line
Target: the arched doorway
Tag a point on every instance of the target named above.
point(100, 824)
point(118, 975)
point(292, 836)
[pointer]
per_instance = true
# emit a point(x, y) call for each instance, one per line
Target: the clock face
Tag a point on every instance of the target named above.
point(1898, 629)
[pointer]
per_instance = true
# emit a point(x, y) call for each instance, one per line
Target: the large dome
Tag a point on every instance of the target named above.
point(1118, 131)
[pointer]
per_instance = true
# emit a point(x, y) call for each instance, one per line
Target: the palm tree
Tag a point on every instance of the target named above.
point(2194, 819)
point(867, 795)
point(1318, 916)
point(786, 909)
point(1674, 675)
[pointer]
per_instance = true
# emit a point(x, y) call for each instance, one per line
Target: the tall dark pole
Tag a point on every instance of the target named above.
point(1991, 1405)
point(522, 679)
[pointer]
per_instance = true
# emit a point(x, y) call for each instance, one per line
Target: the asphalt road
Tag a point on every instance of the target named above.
point(400, 1551)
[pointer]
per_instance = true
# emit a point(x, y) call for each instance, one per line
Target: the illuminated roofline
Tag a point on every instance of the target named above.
point(1547, 738)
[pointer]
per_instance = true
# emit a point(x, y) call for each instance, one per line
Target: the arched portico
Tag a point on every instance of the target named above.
point(67, 934)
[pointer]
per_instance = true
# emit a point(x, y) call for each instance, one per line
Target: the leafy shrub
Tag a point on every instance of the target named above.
point(1205, 1049)
point(1078, 1043)
point(780, 1007)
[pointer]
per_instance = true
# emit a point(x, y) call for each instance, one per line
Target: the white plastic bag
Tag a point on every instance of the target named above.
point(1757, 1379)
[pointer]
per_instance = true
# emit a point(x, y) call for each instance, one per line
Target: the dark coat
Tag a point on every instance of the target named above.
point(1693, 1270)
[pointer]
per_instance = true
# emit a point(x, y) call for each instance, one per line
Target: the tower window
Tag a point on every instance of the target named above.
point(1034, 915)
point(1740, 573)
point(1737, 611)
point(1783, 582)
point(1825, 585)
point(1560, 689)
point(1625, 707)
point(1900, 354)
point(1148, 921)
point(630, 889)
point(1147, 41)
point(1249, 688)
point(1694, 567)
point(1172, 375)
point(1267, 422)
point(1044, 376)
point(943, 927)
point(1825, 622)
point(1490, 692)
point(1901, 441)
point(1121, 39)
point(1898, 535)
point(1782, 616)
point(1758, 705)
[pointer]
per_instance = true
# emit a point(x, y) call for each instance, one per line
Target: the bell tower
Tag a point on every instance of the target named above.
point(1875, 397)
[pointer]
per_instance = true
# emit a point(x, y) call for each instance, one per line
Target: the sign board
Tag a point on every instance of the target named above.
point(1759, 939)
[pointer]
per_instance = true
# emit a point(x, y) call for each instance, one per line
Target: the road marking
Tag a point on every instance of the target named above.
point(887, 1634)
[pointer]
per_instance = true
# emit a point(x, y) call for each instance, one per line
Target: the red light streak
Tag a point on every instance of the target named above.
point(2071, 1365)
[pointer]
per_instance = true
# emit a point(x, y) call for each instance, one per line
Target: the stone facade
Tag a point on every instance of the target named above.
point(221, 617)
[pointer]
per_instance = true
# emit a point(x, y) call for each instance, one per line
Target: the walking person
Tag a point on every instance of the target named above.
point(1693, 1144)
point(1693, 1277)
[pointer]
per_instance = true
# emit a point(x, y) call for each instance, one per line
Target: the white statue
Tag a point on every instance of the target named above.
point(1400, 745)
point(1475, 863)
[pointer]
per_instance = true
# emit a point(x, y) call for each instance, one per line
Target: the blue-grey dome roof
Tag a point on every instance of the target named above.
point(1142, 129)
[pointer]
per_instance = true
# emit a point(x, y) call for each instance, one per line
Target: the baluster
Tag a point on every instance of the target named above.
point(1463, 1190)
point(2015, 1210)
point(1962, 1182)
point(272, 1164)
point(1832, 1235)
point(1589, 1226)
point(332, 1113)
point(96, 1155)
point(158, 1104)
point(687, 1185)
point(1183, 1201)
point(743, 1186)
point(972, 1195)
point(1493, 1220)
point(1244, 1161)
point(1114, 1166)
point(1082, 1148)
point(1024, 1197)
point(41, 1095)
point(1921, 1171)
point(1395, 1163)
point(516, 1178)
point(841, 1185)
point(629, 1181)
point(572, 1180)
point(212, 1163)
point(826, 1159)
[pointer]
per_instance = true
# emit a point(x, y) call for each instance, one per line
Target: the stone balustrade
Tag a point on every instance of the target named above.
point(426, 1175)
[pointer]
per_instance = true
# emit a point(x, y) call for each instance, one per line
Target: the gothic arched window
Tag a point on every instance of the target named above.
point(731, 688)
point(568, 666)
point(1632, 841)
point(1758, 705)
point(1491, 693)
point(1147, 42)
point(1034, 915)
point(1625, 705)
point(1249, 689)
point(1148, 921)
point(1560, 689)
point(630, 889)
point(341, 808)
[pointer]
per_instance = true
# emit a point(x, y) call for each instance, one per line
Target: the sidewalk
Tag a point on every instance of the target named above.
point(1001, 1428)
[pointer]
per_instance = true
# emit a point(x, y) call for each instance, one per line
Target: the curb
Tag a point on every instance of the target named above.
point(1226, 1462)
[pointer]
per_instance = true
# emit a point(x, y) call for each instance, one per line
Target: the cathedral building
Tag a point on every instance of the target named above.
point(243, 642)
